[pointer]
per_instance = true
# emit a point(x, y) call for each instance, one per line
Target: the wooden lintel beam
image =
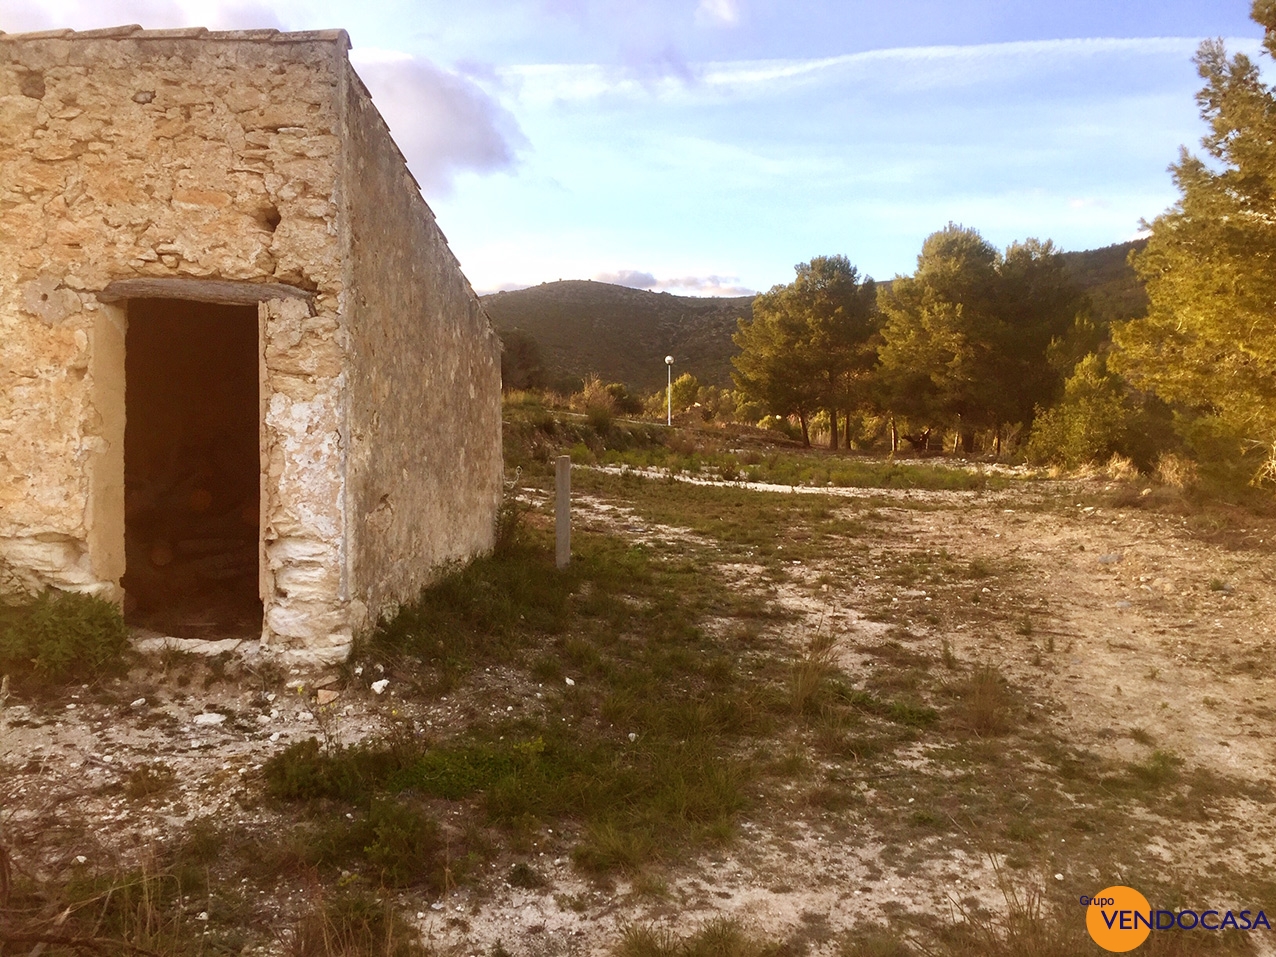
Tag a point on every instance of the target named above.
point(221, 291)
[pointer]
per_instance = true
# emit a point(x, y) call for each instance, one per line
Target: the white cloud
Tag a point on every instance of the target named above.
point(632, 278)
point(442, 122)
point(706, 286)
point(683, 285)
point(901, 68)
point(718, 11)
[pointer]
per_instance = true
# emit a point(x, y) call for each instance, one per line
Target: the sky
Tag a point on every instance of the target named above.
point(705, 147)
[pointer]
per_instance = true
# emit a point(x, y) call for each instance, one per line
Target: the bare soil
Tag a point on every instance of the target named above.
point(1127, 626)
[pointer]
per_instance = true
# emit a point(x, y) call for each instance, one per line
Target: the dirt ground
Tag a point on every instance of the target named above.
point(1127, 625)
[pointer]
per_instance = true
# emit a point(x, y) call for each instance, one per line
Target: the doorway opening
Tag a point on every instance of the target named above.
point(192, 469)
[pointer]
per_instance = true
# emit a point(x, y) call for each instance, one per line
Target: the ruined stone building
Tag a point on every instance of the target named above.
point(244, 386)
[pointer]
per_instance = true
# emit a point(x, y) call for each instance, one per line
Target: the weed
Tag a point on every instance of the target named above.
point(985, 702)
point(947, 656)
point(404, 846)
point(525, 876)
point(1160, 768)
point(809, 674)
point(61, 637)
point(351, 924)
point(719, 937)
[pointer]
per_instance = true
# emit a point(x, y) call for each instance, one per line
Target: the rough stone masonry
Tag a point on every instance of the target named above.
point(159, 173)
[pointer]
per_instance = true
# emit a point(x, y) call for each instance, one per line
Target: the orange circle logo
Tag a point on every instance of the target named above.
point(1119, 918)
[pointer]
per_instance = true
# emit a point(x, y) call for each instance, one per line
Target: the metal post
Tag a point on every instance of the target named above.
point(563, 511)
point(669, 393)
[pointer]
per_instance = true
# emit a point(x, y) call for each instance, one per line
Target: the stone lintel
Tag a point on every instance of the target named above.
point(221, 291)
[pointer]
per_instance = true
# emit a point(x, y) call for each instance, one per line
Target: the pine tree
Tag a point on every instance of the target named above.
point(809, 345)
point(1208, 343)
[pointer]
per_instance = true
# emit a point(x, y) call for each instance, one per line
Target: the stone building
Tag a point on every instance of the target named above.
point(244, 386)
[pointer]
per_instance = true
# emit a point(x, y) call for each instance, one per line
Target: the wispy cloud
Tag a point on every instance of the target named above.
point(902, 68)
point(682, 285)
point(443, 122)
point(725, 12)
point(632, 278)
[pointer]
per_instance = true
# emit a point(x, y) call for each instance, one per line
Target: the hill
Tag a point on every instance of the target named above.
point(623, 334)
point(1105, 274)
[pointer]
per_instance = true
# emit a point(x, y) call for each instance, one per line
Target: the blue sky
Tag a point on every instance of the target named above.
point(706, 146)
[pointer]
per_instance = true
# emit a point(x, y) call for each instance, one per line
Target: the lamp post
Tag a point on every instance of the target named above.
point(669, 393)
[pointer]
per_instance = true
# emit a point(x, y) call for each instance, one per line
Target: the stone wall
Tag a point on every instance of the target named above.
point(167, 154)
point(257, 158)
point(425, 468)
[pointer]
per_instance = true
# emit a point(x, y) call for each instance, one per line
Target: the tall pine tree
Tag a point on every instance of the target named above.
point(1208, 344)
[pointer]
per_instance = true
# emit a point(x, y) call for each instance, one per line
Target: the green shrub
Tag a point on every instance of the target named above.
point(403, 845)
point(61, 637)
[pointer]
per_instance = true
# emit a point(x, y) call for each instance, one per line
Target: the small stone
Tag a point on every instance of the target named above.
point(1058, 877)
point(570, 683)
point(1111, 559)
point(379, 686)
point(632, 737)
point(81, 859)
point(275, 736)
point(209, 718)
point(327, 696)
point(139, 703)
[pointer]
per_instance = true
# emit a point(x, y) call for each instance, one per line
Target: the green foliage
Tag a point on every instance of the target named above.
point(303, 771)
point(719, 937)
point(809, 345)
point(965, 337)
point(403, 845)
point(1095, 419)
point(353, 924)
point(684, 391)
point(61, 637)
point(1208, 345)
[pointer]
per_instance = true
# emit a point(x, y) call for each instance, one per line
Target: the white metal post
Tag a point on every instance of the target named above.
point(669, 393)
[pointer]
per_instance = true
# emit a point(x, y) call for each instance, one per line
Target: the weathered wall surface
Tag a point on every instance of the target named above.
point(166, 154)
point(425, 468)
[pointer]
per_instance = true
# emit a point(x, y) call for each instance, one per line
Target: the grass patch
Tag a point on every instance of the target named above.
point(719, 937)
point(985, 704)
point(61, 637)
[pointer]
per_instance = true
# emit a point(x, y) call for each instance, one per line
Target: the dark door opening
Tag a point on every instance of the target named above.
point(192, 479)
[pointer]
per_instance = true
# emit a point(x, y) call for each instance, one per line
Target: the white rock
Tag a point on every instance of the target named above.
point(209, 717)
point(380, 686)
point(139, 703)
point(571, 682)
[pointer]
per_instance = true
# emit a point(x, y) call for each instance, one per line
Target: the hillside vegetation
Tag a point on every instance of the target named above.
point(622, 334)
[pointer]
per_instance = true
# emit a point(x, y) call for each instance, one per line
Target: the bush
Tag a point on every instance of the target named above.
point(1090, 423)
point(61, 637)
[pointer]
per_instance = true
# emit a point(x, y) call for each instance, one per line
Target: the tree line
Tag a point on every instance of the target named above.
point(968, 343)
point(979, 340)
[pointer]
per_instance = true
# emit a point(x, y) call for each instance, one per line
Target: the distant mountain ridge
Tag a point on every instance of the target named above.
point(623, 334)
